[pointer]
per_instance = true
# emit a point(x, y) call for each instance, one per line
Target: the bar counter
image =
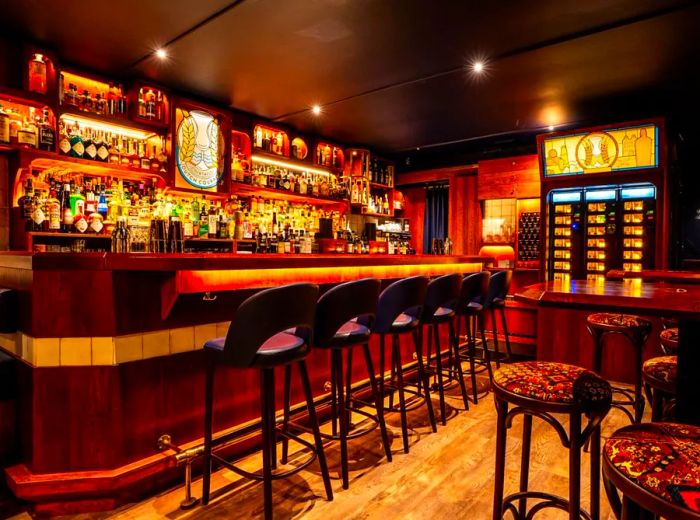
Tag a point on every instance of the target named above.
point(109, 349)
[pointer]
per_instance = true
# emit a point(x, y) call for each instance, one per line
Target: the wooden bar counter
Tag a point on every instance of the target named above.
point(109, 349)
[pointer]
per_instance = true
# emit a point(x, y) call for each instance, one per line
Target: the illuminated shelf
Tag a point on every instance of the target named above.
point(69, 235)
point(187, 192)
point(263, 157)
point(24, 97)
point(112, 123)
point(273, 193)
point(381, 186)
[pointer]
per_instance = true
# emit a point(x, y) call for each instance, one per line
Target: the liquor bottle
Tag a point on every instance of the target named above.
point(203, 221)
point(77, 149)
point(26, 136)
point(67, 219)
point(86, 101)
point(113, 149)
point(25, 202)
point(90, 150)
point(4, 127)
point(162, 156)
point(77, 201)
point(159, 106)
point(120, 237)
point(144, 161)
point(39, 222)
point(327, 155)
point(90, 200)
point(47, 136)
point(123, 147)
point(150, 104)
point(213, 221)
point(37, 74)
point(258, 137)
point(102, 207)
point(134, 157)
point(54, 211)
point(142, 104)
point(153, 161)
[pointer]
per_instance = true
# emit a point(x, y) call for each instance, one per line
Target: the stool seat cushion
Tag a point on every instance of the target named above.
point(541, 380)
point(350, 333)
point(661, 371)
point(403, 320)
point(279, 349)
point(669, 340)
point(661, 458)
point(615, 322)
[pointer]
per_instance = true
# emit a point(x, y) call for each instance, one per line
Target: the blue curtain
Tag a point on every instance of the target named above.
point(436, 207)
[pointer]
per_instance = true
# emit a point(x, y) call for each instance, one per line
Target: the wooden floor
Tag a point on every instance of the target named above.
point(447, 475)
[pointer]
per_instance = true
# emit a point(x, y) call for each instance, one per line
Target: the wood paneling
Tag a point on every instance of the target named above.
point(433, 175)
point(509, 178)
point(414, 210)
point(464, 215)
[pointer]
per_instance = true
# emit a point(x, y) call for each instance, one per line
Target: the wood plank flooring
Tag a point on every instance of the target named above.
point(447, 475)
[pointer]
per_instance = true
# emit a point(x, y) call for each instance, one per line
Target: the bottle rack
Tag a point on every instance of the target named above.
point(18, 110)
point(329, 156)
point(270, 139)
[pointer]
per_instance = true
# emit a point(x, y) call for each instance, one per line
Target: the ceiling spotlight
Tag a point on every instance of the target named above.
point(478, 67)
point(316, 109)
point(551, 128)
point(161, 54)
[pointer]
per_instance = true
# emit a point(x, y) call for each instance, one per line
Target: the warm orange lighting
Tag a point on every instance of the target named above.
point(161, 54)
point(189, 282)
point(95, 124)
point(290, 165)
point(552, 115)
point(316, 109)
point(478, 67)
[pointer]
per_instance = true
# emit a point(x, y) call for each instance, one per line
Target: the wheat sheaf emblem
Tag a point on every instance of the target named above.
point(188, 136)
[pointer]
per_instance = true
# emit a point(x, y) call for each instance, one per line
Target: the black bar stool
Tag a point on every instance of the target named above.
point(439, 308)
point(655, 468)
point(398, 312)
point(344, 316)
point(470, 311)
point(499, 285)
point(636, 330)
point(271, 328)
point(544, 389)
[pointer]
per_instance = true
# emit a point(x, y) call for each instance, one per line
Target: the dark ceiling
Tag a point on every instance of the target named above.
point(393, 74)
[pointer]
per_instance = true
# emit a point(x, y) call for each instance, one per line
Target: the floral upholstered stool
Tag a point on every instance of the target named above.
point(660, 375)
point(669, 340)
point(636, 330)
point(541, 389)
point(656, 467)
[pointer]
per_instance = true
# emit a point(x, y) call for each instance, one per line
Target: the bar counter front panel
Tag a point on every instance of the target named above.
point(111, 359)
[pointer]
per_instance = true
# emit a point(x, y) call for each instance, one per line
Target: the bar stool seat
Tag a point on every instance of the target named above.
point(669, 340)
point(547, 390)
point(656, 466)
point(352, 332)
point(661, 372)
point(280, 348)
point(444, 313)
point(637, 331)
point(405, 321)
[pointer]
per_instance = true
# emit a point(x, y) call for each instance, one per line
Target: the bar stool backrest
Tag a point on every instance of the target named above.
point(442, 291)
point(475, 288)
point(499, 284)
point(405, 296)
point(342, 303)
point(265, 314)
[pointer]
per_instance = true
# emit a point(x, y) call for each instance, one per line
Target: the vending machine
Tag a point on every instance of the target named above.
point(603, 198)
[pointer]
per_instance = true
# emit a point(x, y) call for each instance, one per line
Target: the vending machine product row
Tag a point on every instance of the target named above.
point(595, 229)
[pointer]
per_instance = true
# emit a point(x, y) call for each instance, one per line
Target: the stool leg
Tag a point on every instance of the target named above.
point(392, 374)
point(348, 390)
point(429, 353)
point(595, 473)
point(657, 405)
point(501, 432)
point(638, 397)
point(287, 405)
point(525, 462)
point(396, 362)
point(458, 367)
point(208, 428)
point(382, 355)
point(502, 312)
point(314, 426)
point(471, 352)
point(334, 398)
point(271, 419)
point(597, 336)
point(494, 326)
point(575, 466)
point(487, 354)
point(423, 377)
point(266, 381)
point(438, 370)
point(378, 404)
point(338, 364)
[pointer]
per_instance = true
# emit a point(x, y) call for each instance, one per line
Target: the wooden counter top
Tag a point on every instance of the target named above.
point(213, 261)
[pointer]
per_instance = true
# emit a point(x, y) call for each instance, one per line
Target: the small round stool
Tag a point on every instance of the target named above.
point(541, 389)
point(636, 330)
point(669, 340)
point(656, 467)
point(660, 375)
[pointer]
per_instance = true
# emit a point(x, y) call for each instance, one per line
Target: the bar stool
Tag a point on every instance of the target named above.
point(669, 340)
point(344, 315)
point(271, 328)
point(398, 313)
point(541, 389)
point(656, 467)
point(499, 285)
point(636, 330)
point(440, 302)
point(470, 311)
point(660, 376)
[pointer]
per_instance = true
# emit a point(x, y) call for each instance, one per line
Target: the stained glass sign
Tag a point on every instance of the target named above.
point(609, 150)
point(199, 148)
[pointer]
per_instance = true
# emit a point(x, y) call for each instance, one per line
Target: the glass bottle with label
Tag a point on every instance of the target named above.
point(90, 150)
point(54, 211)
point(4, 127)
point(212, 221)
point(102, 146)
point(77, 149)
point(37, 74)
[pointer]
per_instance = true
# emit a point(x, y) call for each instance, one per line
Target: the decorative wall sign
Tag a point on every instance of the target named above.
point(199, 148)
point(610, 150)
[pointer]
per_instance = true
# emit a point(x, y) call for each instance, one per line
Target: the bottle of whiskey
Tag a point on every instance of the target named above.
point(90, 150)
point(212, 221)
point(102, 146)
point(47, 135)
point(77, 149)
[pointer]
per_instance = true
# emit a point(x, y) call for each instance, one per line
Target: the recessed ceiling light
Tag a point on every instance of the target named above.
point(478, 67)
point(551, 128)
point(161, 54)
point(316, 109)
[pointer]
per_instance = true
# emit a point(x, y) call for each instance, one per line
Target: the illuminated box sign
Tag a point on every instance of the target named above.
point(610, 150)
point(199, 149)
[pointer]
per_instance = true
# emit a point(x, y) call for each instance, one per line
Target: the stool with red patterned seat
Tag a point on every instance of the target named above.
point(636, 330)
point(541, 389)
point(669, 340)
point(660, 375)
point(656, 467)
